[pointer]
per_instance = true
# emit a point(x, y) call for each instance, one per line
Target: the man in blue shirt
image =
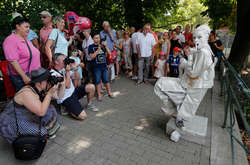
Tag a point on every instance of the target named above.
point(109, 35)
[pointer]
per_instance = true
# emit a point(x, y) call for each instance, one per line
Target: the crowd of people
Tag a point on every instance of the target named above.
point(67, 67)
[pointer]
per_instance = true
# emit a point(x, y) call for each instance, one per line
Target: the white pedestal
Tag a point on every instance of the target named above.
point(195, 130)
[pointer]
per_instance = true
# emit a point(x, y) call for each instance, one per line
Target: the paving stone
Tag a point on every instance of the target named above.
point(128, 130)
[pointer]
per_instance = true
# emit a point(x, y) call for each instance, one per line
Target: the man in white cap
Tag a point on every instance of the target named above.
point(183, 95)
point(46, 18)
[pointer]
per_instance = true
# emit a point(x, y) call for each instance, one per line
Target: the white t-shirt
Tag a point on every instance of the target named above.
point(145, 44)
point(85, 45)
point(68, 91)
point(134, 38)
point(181, 37)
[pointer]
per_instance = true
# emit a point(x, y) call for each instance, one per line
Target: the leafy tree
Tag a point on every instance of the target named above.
point(221, 12)
point(97, 11)
point(139, 12)
point(29, 9)
point(186, 12)
point(235, 15)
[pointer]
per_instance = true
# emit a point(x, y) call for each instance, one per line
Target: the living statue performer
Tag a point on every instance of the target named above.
point(182, 96)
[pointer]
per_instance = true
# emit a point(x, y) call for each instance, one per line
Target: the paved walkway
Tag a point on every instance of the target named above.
point(128, 130)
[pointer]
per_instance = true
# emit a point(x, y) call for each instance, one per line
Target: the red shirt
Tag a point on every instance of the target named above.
point(188, 37)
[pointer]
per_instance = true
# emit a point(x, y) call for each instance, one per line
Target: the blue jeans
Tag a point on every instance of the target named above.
point(17, 81)
point(101, 74)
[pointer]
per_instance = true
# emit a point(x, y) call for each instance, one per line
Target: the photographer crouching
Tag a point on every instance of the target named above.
point(29, 112)
point(68, 95)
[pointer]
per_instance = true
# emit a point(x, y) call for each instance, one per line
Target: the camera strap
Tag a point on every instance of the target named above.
point(58, 71)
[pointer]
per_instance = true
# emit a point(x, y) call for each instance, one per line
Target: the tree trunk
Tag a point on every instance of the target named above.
point(241, 44)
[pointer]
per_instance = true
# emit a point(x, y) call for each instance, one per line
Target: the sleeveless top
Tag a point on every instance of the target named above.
point(160, 72)
point(28, 122)
point(126, 46)
point(164, 47)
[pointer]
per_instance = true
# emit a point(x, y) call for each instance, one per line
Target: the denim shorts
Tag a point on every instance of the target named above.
point(17, 81)
point(101, 74)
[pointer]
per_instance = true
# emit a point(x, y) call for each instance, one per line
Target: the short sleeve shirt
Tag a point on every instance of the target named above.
point(145, 43)
point(62, 44)
point(104, 34)
point(173, 63)
point(17, 50)
point(134, 38)
point(68, 91)
point(85, 45)
point(100, 59)
point(44, 34)
point(212, 46)
point(32, 35)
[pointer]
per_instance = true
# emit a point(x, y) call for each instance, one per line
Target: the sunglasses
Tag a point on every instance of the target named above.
point(43, 17)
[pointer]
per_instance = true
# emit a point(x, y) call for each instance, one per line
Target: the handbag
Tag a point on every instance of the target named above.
point(28, 147)
point(112, 57)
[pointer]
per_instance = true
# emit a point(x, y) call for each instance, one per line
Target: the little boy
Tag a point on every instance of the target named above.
point(173, 63)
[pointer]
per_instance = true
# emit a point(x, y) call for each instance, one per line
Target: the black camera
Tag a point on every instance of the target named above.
point(53, 80)
point(68, 61)
point(103, 39)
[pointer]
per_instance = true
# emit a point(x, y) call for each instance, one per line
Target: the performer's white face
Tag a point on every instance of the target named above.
point(200, 39)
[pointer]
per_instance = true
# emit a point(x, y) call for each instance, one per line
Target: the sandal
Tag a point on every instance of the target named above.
point(99, 99)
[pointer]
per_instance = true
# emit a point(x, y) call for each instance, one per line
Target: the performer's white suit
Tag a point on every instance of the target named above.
point(184, 94)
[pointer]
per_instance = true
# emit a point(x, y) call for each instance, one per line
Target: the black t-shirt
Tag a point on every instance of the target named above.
point(174, 43)
point(214, 49)
point(100, 59)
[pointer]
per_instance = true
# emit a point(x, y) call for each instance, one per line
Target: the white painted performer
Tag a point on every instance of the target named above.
point(183, 95)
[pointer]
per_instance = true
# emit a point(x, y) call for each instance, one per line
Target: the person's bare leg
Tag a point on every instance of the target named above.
point(108, 88)
point(79, 82)
point(117, 68)
point(98, 89)
point(81, 116)
point(90, 90)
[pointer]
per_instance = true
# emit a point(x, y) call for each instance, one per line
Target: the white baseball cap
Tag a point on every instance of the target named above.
point(45, 13)
point(16, 14)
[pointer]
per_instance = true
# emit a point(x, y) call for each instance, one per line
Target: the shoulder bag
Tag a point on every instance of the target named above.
point(28, 147)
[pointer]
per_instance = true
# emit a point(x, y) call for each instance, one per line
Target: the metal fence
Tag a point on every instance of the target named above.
point(232, 85)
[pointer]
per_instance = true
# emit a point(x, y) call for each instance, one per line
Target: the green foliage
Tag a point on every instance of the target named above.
point(221, 12)
point(97, 11)
point(186, 12)
point(29, 9)
point(120, 13)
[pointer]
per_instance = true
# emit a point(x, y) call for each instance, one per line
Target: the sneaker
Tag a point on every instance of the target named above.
point(92, 108)
point(63, 111)
point(52, 137)
point(134, 78)
point(138, 83)
point(111, 96)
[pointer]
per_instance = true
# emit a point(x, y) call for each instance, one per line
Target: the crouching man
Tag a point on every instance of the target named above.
point(182, 96)
point(68, 95)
